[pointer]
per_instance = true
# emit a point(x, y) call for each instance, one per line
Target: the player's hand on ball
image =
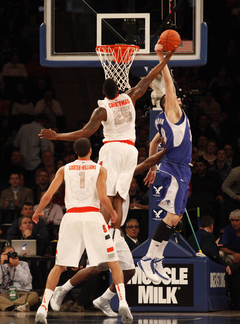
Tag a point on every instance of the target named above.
point(48, 133)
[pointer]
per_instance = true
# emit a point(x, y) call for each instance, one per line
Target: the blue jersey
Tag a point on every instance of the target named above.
point(178, 138)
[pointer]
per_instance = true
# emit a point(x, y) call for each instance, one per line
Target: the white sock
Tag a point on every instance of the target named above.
point(121, 292)
point(45, 301)
point(108, 294)
point(156, 249)
point(68, 286)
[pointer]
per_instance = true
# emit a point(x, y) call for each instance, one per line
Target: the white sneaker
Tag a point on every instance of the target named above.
point(159, 270)
point(147, 266)
point(22, 308)
point(57, 298)
point(126, 313)
point(104, 306)
point(40, 318)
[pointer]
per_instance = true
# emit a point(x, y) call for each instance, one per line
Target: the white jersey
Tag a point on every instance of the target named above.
point(80, 180)
point(120, 124)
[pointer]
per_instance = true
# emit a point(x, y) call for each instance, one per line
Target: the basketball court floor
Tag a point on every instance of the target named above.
point(220, 317)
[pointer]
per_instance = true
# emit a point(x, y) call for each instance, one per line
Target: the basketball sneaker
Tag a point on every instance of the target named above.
point(104, 306)
point(40, 318)
point(159, 270)
point(125, 312)
point(146, 264)
point(57, 298)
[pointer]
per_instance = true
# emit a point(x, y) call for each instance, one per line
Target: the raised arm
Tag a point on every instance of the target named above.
point(150, 161)
point(98, 115)
point(139, 90)
point(172, 108)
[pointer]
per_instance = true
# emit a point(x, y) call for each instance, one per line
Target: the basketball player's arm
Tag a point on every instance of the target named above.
point(172, 108)
point(150, 161)
point(153, 149)
point(139, 90)
point(46, 198)
point(102, 194)
point(98, 115)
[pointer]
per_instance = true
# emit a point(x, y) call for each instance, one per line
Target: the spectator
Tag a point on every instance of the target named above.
point(52, 212)
point(228, 148)
point(208, 105)
point(206, 192)
point(204, 128)
point(207, 241)
point(24, 228)
point(51, 107)
point(12, 166)
point(7, 135)
point(231, 187)
point(132, 231)
point(220, 165)
point(30, 146)
point(47, 164)
point(43, 184)
point(17, 274)
point(15, 196)
point(23, 106)
point(13, 72)
point(230, 251)
point(137, 198)
point(202, 144)
point(4, 106)
point(210, 154)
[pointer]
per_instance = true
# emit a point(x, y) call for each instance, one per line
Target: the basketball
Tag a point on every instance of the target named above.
point(170, 40)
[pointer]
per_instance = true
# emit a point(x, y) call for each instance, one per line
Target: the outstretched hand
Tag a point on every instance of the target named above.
point(150, 177)
point(35, 217)
point(48, 133)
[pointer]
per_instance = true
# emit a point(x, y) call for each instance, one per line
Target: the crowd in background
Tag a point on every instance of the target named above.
point(210, 96)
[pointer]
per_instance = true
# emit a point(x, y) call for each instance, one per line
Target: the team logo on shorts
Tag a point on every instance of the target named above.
point(104, 228)
point(100, 163)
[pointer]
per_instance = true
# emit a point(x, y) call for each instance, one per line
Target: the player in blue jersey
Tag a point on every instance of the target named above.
point(173, 126)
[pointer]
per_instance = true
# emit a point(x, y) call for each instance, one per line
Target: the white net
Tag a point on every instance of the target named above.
point(116, 62)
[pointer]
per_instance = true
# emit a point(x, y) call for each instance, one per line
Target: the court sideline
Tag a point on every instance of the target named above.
point(219, 317)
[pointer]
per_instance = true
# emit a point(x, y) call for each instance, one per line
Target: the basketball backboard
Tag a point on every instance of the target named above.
point(73, 28)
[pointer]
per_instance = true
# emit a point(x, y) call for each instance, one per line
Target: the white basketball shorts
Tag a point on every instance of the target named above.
point(84, 230)
point(120, 160)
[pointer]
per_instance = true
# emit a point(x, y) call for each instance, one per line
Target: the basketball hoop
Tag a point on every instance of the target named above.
point(116, 61)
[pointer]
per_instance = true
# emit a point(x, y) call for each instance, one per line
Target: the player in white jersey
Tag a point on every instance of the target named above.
point(83, 226)
point(173, 126)
point(124, 254)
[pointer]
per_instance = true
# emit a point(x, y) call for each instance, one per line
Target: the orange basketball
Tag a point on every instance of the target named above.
point(170, 40)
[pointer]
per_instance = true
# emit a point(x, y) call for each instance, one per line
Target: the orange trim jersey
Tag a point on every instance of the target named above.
point(120, 124)
point(80, 179)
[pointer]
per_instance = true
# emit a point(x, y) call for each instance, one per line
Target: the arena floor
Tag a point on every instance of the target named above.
point(220, 317)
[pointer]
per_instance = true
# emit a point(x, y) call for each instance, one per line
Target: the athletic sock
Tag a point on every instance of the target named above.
point(159, 241)
point(46, 299)
point(121, 292)
point(108, 294)
point(68, 286)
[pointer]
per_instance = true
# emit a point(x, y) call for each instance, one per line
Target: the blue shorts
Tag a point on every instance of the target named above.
point(174, 179)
